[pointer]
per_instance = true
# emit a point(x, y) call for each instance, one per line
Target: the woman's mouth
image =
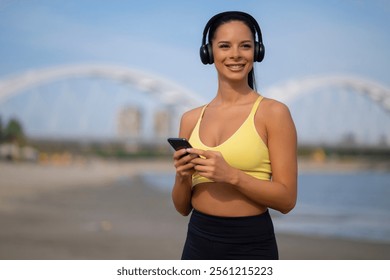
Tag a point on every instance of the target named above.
point(235, 67)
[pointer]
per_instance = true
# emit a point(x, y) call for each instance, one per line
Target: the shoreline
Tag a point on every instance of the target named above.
point(102, 210)
point(342, 166)
point(19, 179)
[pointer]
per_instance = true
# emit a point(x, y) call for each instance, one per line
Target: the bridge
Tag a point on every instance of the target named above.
point(337, 110)
point(172, 99)
point(328, 110)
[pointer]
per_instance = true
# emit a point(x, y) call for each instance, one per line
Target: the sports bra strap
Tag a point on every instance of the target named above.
point(256, 105)
point(203, 109)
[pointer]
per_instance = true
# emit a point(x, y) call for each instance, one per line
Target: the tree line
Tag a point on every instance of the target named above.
point(12, 132)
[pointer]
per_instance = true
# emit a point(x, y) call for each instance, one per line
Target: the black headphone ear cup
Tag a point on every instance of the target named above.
point(206, 54)
point(259, 52)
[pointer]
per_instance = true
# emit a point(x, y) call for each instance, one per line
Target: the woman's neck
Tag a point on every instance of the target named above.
point(233, 94)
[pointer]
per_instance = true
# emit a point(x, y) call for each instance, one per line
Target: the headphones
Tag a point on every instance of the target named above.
point(206, 52)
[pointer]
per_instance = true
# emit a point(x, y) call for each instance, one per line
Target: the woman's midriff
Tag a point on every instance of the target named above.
point(220, 199)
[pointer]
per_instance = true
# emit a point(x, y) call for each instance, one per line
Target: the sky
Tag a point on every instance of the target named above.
point(302, 38)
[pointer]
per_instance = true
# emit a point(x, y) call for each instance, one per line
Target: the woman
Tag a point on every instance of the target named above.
point(240, 141)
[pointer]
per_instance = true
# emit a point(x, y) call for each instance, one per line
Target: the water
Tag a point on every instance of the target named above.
point(352, 205)
point(347, 205)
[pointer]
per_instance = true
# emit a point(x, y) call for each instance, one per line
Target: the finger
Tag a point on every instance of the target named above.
point(195, 151)
point(203, 168)
point(191, 157)
point(184, 162)
point(197, 160)
point(187, 158)
point(179, 154)
point(183, 165)
point(199, 152)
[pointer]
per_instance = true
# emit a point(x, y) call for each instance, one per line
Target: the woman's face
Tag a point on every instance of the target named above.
point(233, 50)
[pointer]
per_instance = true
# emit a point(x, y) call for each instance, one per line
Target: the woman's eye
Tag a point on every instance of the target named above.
point(247, 46)
point(223, 46)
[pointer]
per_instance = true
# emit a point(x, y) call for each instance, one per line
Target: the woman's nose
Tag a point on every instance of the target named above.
point(235, 52)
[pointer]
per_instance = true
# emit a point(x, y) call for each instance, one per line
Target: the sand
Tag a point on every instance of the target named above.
point(103, 210)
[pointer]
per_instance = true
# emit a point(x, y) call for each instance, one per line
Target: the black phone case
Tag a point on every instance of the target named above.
point(179, 143)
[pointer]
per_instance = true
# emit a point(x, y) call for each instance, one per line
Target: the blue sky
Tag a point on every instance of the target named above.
point(302, 38)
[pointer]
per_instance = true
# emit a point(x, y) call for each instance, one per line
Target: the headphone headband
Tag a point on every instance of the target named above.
point(206, 54)
point(239, 13)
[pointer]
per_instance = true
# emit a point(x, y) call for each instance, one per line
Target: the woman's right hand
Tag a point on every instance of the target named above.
point(182, 162)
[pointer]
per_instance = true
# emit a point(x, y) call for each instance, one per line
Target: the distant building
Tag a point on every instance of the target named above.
point(162, 121)
point(129, 123)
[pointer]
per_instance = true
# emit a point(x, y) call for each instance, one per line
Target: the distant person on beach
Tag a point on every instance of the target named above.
point(244, 157)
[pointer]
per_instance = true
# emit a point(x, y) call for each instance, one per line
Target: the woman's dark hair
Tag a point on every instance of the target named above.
point(235, 17)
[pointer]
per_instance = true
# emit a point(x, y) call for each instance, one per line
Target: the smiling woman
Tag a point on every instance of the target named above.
point(225, 180)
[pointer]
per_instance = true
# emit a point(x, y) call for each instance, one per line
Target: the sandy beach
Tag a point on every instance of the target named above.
point(102, 210)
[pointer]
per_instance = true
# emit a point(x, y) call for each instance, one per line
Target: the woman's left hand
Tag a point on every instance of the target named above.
point(212, 165)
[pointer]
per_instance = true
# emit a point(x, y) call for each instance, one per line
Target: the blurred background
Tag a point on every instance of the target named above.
point(90, 90)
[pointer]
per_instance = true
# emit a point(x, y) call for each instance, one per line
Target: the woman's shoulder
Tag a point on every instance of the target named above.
point(189, 120)
point(276, 115)
point(192, 115)
point(274, 108)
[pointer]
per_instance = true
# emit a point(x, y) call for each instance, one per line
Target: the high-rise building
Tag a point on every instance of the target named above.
point(162, 125)
point(129, 122)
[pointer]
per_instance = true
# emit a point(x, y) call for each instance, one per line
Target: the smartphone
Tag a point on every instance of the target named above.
point(179, 143)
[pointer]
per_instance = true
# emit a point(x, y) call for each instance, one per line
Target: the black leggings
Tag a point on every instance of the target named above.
point(235, 238)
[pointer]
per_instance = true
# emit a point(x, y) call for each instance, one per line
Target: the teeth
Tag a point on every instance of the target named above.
point(235, 66)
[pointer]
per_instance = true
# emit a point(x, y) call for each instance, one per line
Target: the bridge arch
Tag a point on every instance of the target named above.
point(338, 115)
point(173, 98)
point(165, 90)
point(294, 89)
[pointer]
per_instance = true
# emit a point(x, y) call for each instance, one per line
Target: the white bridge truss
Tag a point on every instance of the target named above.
point(168, 92)
point(298, 88)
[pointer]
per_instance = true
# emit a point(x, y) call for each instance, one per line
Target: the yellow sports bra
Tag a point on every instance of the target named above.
point(244, 150)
